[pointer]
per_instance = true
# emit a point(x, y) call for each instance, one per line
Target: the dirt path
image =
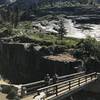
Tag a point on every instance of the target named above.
point(3, 96)
point(3, 82)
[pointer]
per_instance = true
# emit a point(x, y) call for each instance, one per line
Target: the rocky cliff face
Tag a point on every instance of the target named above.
point(24, 62)
point(19, 61)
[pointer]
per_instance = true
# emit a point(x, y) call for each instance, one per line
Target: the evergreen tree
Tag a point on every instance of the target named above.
point(16, 16)
point(8, 14)
point(43, 3)
point(51, 2)
point(62, 30)
point(83, 1)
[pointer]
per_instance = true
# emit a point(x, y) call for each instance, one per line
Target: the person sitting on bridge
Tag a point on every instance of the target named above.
point(55, 78)
point(47, 80)
point(40, 96)
point(23, 91)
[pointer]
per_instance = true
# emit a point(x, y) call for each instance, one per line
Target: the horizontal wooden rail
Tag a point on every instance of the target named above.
point(60, 78)
point(33, 83)
point(66, 77)
point(68, 85)
point(32, 87)
point(67, 81)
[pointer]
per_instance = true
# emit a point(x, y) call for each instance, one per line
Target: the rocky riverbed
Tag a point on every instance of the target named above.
point(76, 26)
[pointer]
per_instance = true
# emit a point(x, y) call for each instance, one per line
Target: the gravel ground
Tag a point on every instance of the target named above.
point(3, 96)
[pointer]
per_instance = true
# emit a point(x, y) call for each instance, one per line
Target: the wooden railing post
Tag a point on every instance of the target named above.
point(86, 79)
point(46, 91)
point(78, 81)
point(96, 75)
point(69, 85)
point(91, 77)
point(56, 90)
point(38, 92)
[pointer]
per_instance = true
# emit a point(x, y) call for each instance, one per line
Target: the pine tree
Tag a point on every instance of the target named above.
point(42, 3)
point(16, 16)
point(51, 2)
point(83, 1)
point(62, 30)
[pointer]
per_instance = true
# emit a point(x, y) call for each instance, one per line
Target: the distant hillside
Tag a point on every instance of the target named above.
point(2, 1)
point(28, 3)
point(17, 1)
point(7, 1)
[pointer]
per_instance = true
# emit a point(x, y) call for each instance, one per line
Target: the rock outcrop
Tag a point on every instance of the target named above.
point(25, 62)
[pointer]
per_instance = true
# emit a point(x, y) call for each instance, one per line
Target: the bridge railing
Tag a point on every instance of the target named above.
point(56, 89)
point(70, 76)
point(32, 87)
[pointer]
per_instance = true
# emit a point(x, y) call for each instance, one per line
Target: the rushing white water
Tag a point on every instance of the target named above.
point(92, 30)
point(72, 29)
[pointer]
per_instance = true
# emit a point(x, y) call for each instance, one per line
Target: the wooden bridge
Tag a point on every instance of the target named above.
point(65, 86)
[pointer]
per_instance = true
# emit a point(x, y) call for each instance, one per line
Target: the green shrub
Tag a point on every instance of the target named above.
point(6, 89)
point(12, 94)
